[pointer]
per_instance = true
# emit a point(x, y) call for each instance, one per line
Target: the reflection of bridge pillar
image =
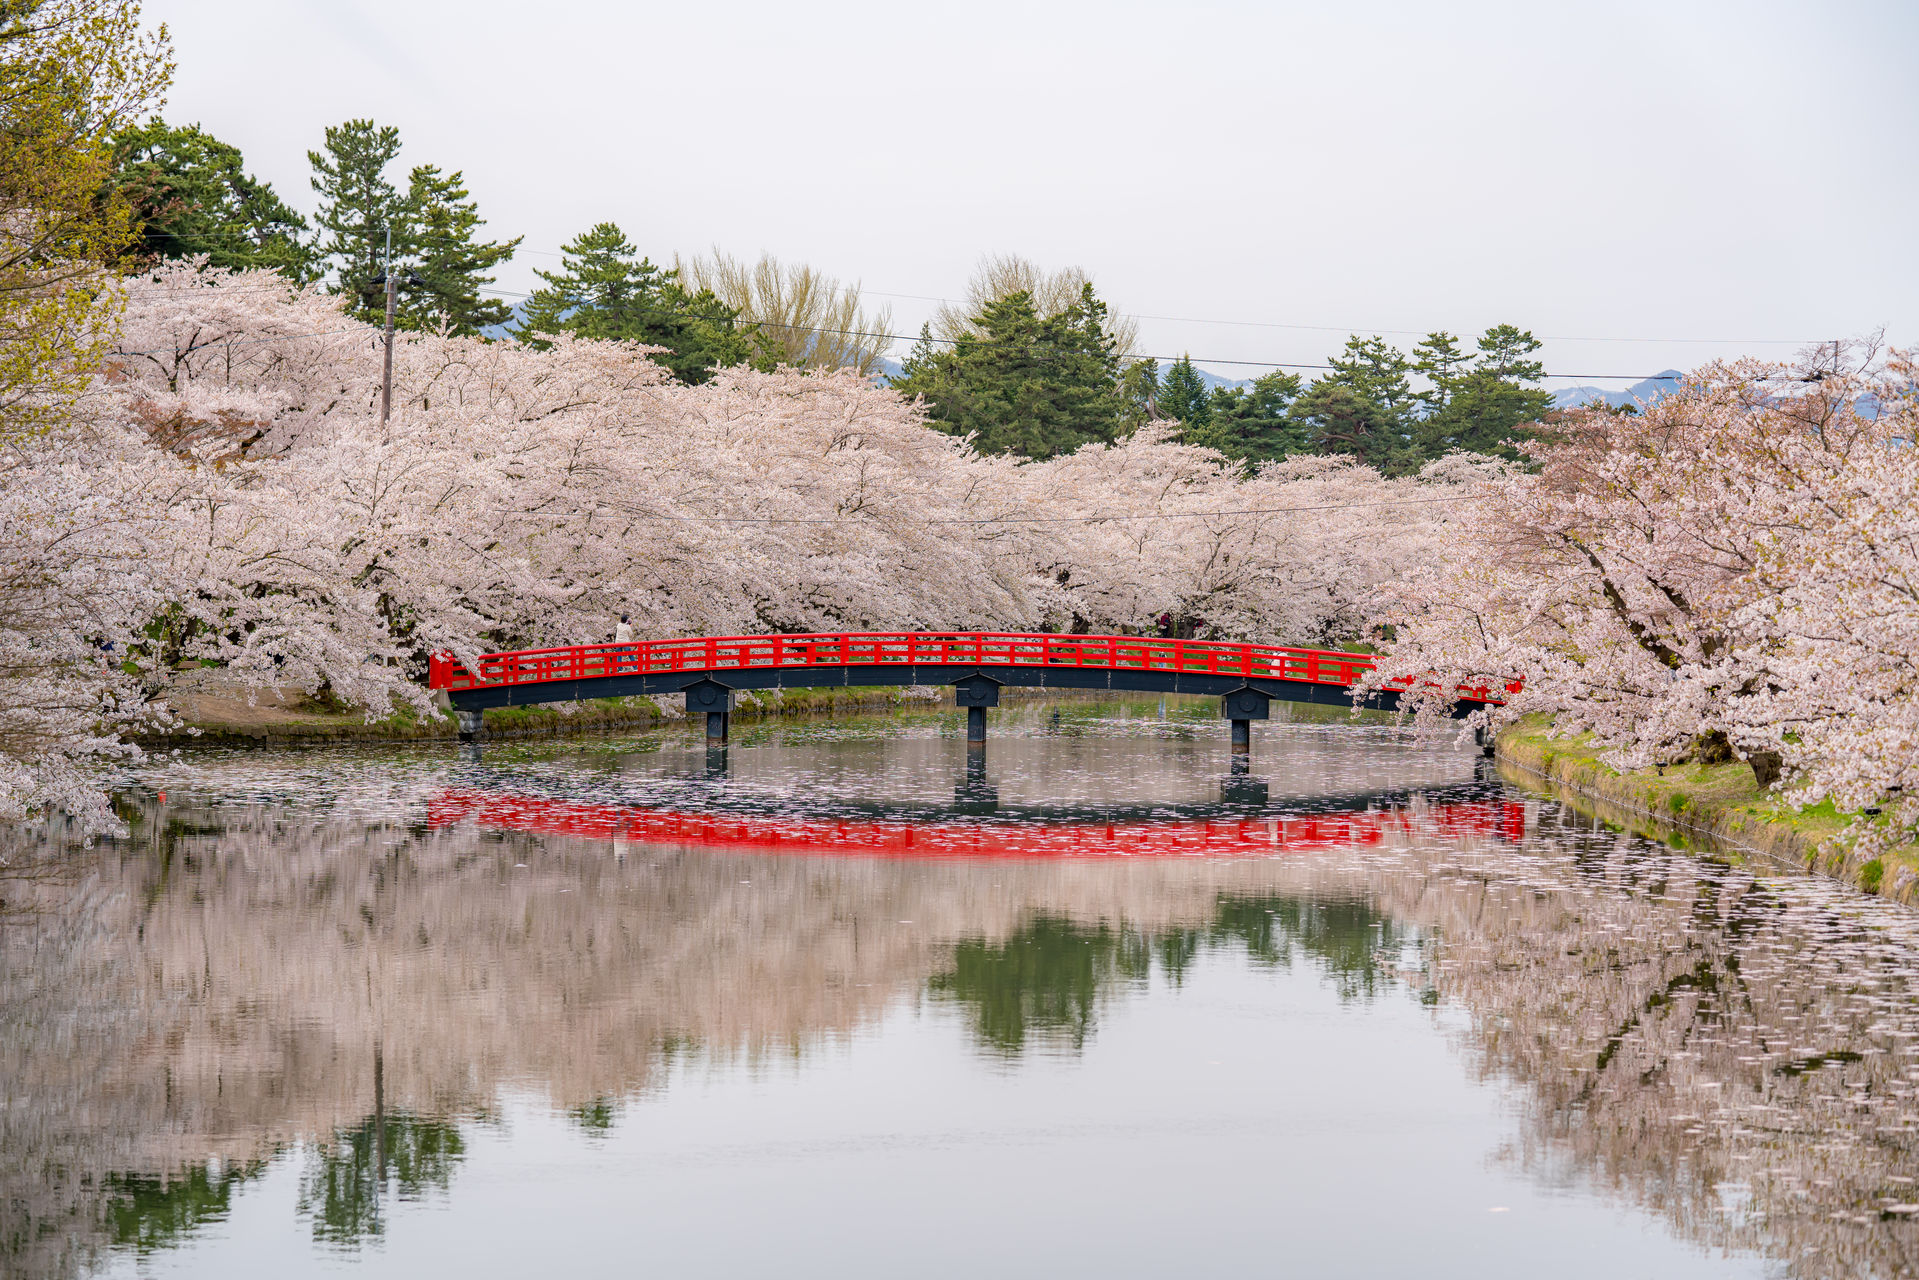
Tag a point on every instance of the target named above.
point(1243, 706)
point(976, 693)
point(716, 758)
point(1240, 788)
point(975, 794)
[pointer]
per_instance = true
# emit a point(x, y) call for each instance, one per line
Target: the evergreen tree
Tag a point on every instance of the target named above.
point(192, 195)
point(605, 289)
point(1253, 423)
point(1364, 408)
point(1182, 395)
point(358, 207)
point(1439, 359)
point(434, 227)
point(1138, 394)
point(1484, 406)
point(1026, 384)
point(442, 241)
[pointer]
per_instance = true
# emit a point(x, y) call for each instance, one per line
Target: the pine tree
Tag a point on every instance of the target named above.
point(1183, 395)
point(1253, 423)
point(1493, 404)
point(606, 289)
point(1023, 384)
point(1439, 359)
point(441, 227)
point(192, 195)
point(358, 207)
point(434, 227)
point(1364, 408)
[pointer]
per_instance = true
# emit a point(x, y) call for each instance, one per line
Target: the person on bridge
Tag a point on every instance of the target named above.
point(623, 633)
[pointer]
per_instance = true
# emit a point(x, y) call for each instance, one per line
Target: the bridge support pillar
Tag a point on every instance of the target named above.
point(472, 725)
point(1243, 706)
point(716, 700)
point(976, 693)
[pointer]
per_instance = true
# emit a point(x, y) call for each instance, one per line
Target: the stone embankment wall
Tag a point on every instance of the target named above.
point(1718, 809)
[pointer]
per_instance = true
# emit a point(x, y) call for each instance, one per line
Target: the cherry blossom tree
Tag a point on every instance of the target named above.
point(265, 518)
point(1730, 572)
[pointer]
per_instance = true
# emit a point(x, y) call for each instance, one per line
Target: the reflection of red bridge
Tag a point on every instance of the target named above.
point(1215, 838)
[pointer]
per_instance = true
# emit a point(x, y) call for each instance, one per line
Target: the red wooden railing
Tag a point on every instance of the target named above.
point(903, 648)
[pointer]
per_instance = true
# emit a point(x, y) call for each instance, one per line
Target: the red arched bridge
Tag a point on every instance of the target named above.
point(1247, 678)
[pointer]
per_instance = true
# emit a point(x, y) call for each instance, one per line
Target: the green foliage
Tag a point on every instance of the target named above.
point(1138, 393)
point(1254, 424)
point(150, 1213)
point(1050, 977)
point(1364, 408)
point(358, 206)
point(1027, 384)
point(191, 194)
point(1482, 406)
point(442, 227)
point(605, 289)
point(1479, 402)
point(344, 1186)
point(434, 226)
point(1182, 395)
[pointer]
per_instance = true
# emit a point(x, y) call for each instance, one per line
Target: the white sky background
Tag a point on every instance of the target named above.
point(1644, 173)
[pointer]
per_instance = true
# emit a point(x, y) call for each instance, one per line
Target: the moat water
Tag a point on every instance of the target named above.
point(847, 1002)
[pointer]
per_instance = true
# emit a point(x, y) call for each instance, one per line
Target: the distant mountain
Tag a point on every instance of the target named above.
point(1213, 380)
point(1642, 392)
point(889, 369)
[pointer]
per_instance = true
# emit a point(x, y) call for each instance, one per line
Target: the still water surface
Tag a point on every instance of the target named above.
point(841, 1004)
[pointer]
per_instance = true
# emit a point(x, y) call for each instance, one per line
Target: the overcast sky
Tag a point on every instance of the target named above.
point(1648, 185)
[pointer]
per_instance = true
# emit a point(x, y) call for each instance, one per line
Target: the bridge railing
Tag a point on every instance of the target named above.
point(902, 649)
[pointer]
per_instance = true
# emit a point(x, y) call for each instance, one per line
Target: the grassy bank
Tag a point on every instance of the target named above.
point(271, 721)
point(1714, 807)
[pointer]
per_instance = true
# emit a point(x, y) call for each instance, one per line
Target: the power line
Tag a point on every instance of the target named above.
point(1005, 520)
point(990, 342)
point(1253, 324)
point(656, 310)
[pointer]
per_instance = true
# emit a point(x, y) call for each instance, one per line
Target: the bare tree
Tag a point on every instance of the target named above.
point(999, 275)
point(816, 322)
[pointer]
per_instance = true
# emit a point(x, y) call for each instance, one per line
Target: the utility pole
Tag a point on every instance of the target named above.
point(392, 290)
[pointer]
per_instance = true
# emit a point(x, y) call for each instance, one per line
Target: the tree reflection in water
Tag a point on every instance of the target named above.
point(348, 1178)
point(1050, 976)
point(238, 986)
point(149, 1212)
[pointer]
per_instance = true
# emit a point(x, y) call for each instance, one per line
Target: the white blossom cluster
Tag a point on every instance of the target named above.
point(1736, 564)
point(230, 493)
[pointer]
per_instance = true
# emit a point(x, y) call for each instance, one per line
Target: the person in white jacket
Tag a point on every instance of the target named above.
point(623, 633)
